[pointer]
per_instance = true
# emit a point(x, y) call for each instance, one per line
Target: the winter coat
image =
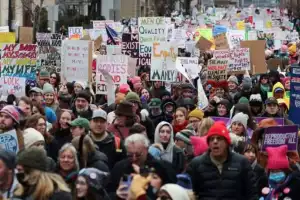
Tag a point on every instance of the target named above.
point(261, 179)
point(236, 182)
point(147, 123)
point(98, 160)
point(171, 153)
point(57, 195)
point(61, 137)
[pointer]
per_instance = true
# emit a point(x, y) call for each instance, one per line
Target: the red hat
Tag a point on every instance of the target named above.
point(222, 84)
point(277, 157)
point(124, 88)
point(135, 80)
point(219, 128)
point(199, 145)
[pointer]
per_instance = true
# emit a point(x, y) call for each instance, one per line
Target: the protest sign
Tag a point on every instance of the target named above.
point(7, 38)
point(116, 66)
point(144, 60)
point(234, 38)
point(77, 60)
point(19, 60)
point(295, 95)
point(240, 25)
point(25, 35)
point(49, 48)
point(203, 32)
point(190, 65)
point(151, 29)
point(268, 36)
point(178, 34)
point(280, 121)
point(281, 135)
point(99, 28)
point(4, 29)
point(182, 71)
point(217, 69)
point(108, 85)
point(75, 33)
point(204, 44)
point(9, 141)
point(223, 119)
point(257, 55)
point(221, 41)
point(219, 29)
point(202, 99)
point(163, 62)
point(130, 44)
point(13, 85)
point(114, 50)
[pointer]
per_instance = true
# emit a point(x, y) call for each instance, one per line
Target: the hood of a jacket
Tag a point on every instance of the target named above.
point(157, 138)
point(96, 156)
point(278, 85)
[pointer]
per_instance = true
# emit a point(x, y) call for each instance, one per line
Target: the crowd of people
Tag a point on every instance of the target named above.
point(150, 144)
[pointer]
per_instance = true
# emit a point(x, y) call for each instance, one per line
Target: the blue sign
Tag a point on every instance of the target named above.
point(219, 29)
point(295, 95)
point(9, 141)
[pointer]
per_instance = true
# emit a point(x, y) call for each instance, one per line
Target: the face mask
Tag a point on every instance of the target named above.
point(20, 177)
point(277, 177)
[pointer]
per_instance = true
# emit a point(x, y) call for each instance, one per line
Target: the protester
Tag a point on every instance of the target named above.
point(81, 106)
point(205, 125)
point(180, 120)
point(195, 118)
point(79, 127)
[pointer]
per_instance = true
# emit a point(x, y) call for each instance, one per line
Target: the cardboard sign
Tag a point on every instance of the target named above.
point(221, 41)
point(25, 35)
point(235, 37)
point(190, 64)
point(257, 55)
point(217, 69)
point(75, 33)
point(49, 48)
point(13, 85)
point(9, 141)
point(295, 96)
point(219, 29)
point(130, 44)
point(281, 135)
point(4, 29)
point(204, 44)
point(114, 65)
point(77, 60)
point(163, 62)
point(19, 60)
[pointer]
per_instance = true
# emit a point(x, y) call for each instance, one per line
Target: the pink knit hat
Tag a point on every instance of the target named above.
point(124, 88)
point(277, 157)
point(199, 144)
point(135, 80)
point(12, 112)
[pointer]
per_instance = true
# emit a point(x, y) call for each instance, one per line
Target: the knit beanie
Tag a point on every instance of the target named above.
point(133, 97)
point(197, 113)
point(48, 88)
point(32, 136)
point(247, 83)
point(82, 84)
point(155, 103)
point(124, 88)
point(199, 145)
point(185, 181)
point(184, 135)
point(219, 129)
point(164, 170)
point(233, 79)
point(255, 98)
point(95, 179)
point(135, 80)
point(34, 158)
point(176, 192)
point(242, 118)
point(243, 100)
point(44, 75)
point(9, 158)
point(277, 158)
point(12, 112)
point(85, 95)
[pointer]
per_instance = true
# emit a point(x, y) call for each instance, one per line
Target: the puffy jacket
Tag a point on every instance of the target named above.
point(236, 182)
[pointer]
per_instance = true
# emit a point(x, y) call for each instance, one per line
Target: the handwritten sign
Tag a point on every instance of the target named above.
point(281, 135)
point(163, 62)
point(9, 141)
point(238, 59)
point(75, 33)
point(190, 64)
point(234, 38)
point(219, 29)
point(130, 44)
point(19, 60)
point(114, 50)
point(49, 48)
point(116, 66)
point(204, 44)
point(13, 85)
point(76, 60)
point(217, 69)
point(25, 35)
point(202, 99)
point(151, 29)
point(221, 41)
point(99, 28)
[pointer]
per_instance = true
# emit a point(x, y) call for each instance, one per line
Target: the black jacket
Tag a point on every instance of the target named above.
point(61, 137)
point(261, 179)
point(98, 160)
point(236, 182)
point(178, 162)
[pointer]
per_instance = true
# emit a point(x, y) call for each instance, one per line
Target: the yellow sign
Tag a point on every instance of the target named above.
point(6, 37)
point(269, 24)
point(240, 25)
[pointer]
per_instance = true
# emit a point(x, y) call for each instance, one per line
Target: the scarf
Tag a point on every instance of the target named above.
point(179, 127)
point(264, 88)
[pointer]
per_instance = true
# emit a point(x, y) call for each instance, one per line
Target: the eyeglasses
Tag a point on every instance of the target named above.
point(137, 155)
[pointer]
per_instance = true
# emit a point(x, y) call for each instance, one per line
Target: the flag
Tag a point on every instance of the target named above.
point(111, 33)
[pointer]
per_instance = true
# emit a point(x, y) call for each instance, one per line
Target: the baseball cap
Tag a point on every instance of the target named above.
point(99, 114)
point(278, 90)
point(271, 100)
point(81, 122)
point(37, 90)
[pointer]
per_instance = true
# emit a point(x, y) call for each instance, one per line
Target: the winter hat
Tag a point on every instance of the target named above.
point(124, 88)
point(164, 170)
point(219, 128)
point(84, 94)
point(247, 83)
point(277, 157)
point(242, 118)
point(165, 93)
point(125, 109)
point(34, 158)
point(176, 192)
point(233, 79)
point(9, 158)
point(184, 180)
point(82, 84)
point(184, 135)
point(292, 49)
point(12, 112)
point(81, 122)
point(44, 75)
point(166, 102)
point(255, 99)
point(48, 88)
point(119, 97)
point(197, 113)
point(199, 145)
point(133, 97)
point(271, 100)
point(96, 179)
point(32, 136)
point(135, 80)
point(187, 86)
point(188, 102)
point(155, 152)
point(155, 103)
point(243, 100)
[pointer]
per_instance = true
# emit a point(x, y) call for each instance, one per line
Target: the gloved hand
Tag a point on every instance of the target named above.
point(138, 186)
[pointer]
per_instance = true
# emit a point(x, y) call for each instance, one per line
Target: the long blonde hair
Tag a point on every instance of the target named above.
point(204, 126)
point(88, 147)
point(45, 184)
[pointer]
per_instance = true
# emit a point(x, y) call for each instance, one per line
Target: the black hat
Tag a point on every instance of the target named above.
point(125, 109)
point(165, 102)
point(85, 95)
point(187, 86)
point(9, 158)
point(96, 179)
point(164, 170)
point(271, 100)
point(34, 158)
